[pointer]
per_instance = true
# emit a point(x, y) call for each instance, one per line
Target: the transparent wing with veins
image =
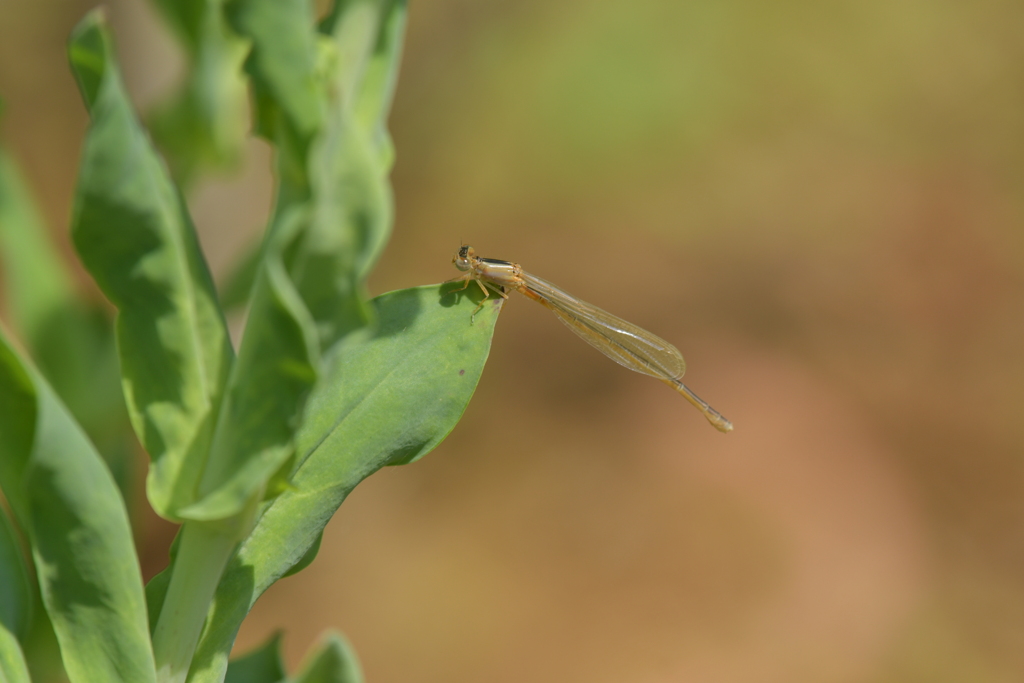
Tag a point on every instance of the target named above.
point(625, 343)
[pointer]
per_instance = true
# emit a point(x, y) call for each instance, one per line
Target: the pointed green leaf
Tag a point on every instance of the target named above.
point(333, 662)
point(76, 522)
point(135, 237)
point(384, 398)
point(156, 591)
point(262, 665)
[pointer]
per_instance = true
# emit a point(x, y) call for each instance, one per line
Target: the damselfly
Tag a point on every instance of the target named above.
point(623, 342)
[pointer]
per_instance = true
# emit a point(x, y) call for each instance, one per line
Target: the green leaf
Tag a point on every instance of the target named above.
point(203, 125)
point(366, 37)
point(334, 662)
point(15, 587)
point(262, 665)
point(384, 398)
point(13, 668)
point(134, 235)
point(64, 497)
point(379, 71)
point(281, 66)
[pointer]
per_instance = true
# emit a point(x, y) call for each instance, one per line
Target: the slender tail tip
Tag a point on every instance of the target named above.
point(720, 423)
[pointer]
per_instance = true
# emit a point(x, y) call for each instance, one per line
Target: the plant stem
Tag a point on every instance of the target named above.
point(202, 554)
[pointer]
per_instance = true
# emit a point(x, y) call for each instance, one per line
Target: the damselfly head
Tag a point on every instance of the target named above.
point(463, 258)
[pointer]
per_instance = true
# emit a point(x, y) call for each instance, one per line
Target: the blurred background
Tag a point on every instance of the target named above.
point(821, 205)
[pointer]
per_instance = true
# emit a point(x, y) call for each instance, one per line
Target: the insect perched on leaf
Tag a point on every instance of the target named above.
point(623, 342)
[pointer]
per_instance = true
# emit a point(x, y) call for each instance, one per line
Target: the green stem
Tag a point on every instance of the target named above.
point(203, 552)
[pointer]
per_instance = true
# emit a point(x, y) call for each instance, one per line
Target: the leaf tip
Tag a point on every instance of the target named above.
point(88, 52)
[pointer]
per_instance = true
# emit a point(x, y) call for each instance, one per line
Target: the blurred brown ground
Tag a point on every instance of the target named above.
point(821, 205)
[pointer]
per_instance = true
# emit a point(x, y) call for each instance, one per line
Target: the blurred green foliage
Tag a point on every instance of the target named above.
point(251, 469)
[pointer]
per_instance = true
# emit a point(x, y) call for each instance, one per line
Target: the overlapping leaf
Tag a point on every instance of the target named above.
point(134, 235)
point(383, 399)
point(65, 499)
